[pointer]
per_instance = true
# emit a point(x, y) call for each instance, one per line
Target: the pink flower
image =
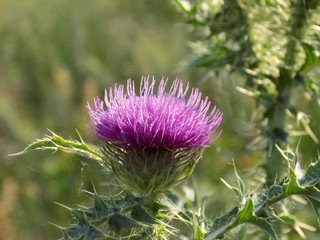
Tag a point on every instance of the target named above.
point(154, 119)
point(152, 140)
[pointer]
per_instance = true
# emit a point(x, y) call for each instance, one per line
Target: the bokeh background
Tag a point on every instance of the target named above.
point(57, 55)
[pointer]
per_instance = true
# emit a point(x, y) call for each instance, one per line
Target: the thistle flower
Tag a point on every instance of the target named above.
point(153, 140)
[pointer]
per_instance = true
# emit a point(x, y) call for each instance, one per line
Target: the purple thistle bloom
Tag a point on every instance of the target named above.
point(153, 140)
point(154, 120)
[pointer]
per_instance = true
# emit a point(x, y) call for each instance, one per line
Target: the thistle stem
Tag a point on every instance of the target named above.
point(276, 113)
point(276, 129)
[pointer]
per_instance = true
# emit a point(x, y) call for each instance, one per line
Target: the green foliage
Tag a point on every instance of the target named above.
point(273, 44)
point(113, 216)
point(110, 218)
point(59, 54)
point(259, 211)
point(55, 143)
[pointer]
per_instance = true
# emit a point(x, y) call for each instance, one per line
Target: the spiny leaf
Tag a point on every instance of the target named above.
point(311, 85)
point(251, 213)
point(140, 214)
point(268, 197)
point(198, 233)
point(245, 212)
point(246, 215)
point(85, 231)
point(222, 224)
point(234, 189)
point(79, 215)
point(316, 206)
point(288, 155)
point(240, 190)
point(312, 59)
point(311, 192)
point(117, 222)
point(265, 226)
point(312, 175)
point(240, 182)
point(55, 143)
point(291, 186)
point(80, 231)
point(100, 211)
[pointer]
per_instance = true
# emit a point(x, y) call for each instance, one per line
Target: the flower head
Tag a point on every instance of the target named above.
point(154, 128)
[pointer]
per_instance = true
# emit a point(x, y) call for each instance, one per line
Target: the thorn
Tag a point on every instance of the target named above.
point(53, 134)
point(225, 183)
point(81, 140)
point(16, 154)
point(64, 206)
point(55, 225)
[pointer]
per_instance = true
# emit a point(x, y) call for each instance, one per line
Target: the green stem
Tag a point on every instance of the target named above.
point(276, 113)
point(276, 129)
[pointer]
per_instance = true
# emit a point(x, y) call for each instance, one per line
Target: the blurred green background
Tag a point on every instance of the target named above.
point(57, 55)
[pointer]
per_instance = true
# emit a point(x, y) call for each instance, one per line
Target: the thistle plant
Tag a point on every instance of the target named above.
point(151, 139)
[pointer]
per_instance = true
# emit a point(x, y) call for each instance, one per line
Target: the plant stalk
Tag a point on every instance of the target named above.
point(276, 113)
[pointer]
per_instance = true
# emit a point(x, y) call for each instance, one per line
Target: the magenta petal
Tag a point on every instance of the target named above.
point(154, 119)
